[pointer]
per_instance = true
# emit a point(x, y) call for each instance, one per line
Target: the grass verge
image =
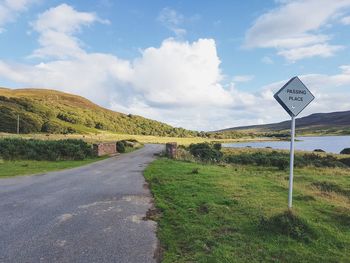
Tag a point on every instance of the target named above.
point(211, 213)
point(27, 167)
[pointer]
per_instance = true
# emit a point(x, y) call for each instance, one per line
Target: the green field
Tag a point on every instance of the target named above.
point(27, 167)
point(212, 213)
point(109, 137)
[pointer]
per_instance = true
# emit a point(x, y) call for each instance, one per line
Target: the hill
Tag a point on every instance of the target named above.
point(318, 123)
point(51, 111)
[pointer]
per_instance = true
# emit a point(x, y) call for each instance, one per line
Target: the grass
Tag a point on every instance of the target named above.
point(28, 167)
point(211, 213)
point(108, 137)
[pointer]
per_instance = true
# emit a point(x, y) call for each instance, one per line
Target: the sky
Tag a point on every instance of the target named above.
point(200, 64)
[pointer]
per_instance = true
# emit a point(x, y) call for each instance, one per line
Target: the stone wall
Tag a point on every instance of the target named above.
point(171, 149)
point(101, 149)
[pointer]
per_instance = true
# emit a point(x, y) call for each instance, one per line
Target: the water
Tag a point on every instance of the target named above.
point(331, 144)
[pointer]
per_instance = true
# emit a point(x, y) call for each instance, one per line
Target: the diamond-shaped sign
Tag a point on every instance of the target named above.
point(294, 96)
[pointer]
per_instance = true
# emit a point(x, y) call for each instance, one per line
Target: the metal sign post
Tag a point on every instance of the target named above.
point(294, 96)
point(291, 165)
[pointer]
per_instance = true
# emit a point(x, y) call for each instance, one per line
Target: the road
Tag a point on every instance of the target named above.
point(92, 213)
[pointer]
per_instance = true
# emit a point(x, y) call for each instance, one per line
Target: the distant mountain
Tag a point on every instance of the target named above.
point(51, 111)
point(318, 123)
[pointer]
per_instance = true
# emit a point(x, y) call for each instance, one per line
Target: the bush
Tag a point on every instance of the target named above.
point(345, 161)
point(217, 146)
point(21, 149)
point(262, 159)
point(121, 146)
point(205, 152)
point(319, 161)
point(281, 160)
point(184, 155)
point(345, 151)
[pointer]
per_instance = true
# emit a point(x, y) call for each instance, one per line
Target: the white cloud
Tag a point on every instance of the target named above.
point(346, 20)
point(63, 18)
point(56, 28)
point(267, 60)
point(331, 93)
point(117, 84)
point(10, 9)
point(177, 82)
point(294, 27)
point(321, 50)
point(175, 74)
point(95, 76)
point(180, 73)
point(173, 20)
point(243, 78)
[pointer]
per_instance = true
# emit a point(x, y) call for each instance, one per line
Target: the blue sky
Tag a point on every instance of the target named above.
point(201, 65)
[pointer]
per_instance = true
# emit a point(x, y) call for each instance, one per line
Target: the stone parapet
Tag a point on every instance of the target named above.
point(102, 149)
point(171, 149)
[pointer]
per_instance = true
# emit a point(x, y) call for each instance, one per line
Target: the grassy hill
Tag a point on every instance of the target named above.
point(318, 123)
point(51, 111)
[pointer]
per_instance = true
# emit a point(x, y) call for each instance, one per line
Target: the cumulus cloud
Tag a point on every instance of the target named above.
point(180, 74)
point(293, 28)
point(178, 82)
point(56, 28)
point(95, 76)
point(175, 74)
point(10, 9)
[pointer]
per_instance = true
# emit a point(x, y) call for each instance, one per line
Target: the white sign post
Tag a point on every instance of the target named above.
point(294, 96)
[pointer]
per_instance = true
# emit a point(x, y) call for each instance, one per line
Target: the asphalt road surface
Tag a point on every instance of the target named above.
point(92, 213)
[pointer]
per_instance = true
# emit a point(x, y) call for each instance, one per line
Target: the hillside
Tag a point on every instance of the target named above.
point(318, 123)
point(51, 111)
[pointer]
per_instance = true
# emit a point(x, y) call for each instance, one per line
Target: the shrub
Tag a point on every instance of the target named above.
point(280, 163)
point(68, 117)
point(217, 146)
point(319, 161)
point(55, 127)
point(281, 160)
point(345, 151)
point(16, 149)
point(184, 155)
point(121, 146)
point(345, 161)
point(205, 152)
point(99, 126)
